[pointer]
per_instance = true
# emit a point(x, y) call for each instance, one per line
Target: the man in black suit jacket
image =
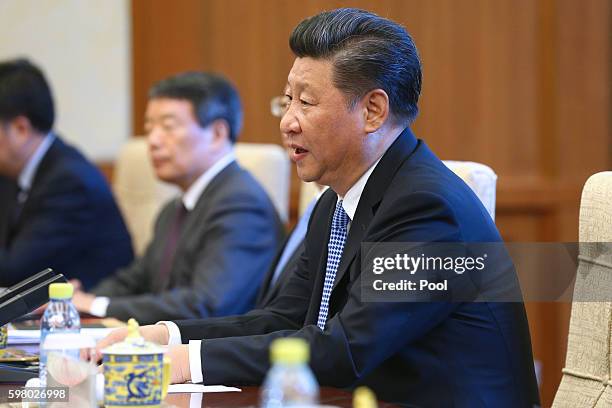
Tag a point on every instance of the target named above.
point(56, 209)
point(211, 246)
point(351, 93)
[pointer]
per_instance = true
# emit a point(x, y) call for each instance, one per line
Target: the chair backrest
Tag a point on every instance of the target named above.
point(140, 194)
point(481, 179)
point(587, 376)
point(271, 166)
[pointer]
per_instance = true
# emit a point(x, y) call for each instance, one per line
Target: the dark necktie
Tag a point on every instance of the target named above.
point(20, 198)
point(335, 246)
point(172, 239)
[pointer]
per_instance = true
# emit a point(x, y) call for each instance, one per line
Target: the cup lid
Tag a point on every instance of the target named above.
point(134, 343)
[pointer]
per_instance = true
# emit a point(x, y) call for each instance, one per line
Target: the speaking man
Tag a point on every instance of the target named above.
point(353, 92)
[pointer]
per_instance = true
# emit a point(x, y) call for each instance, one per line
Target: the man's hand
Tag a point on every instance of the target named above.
point(40, 310)
point(76, 284)
point(157, 333)
point(179, 364)
point(82, 301)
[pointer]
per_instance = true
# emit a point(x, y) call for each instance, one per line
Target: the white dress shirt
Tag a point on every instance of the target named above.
point(100, 304)
point(349, 203)
point(26, 177)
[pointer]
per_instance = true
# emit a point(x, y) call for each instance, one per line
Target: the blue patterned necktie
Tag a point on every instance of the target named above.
point(335, 246)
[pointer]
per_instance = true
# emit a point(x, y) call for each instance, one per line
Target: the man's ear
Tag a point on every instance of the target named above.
point(21, 125)
point(221, 131)
point(376, 109)
point(20, 130)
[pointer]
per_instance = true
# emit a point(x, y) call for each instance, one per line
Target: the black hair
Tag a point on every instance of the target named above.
point(211, 96)
point(24, 91)
point(367, 52)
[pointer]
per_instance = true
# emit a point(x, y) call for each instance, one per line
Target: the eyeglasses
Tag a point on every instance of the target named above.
point(279, 105)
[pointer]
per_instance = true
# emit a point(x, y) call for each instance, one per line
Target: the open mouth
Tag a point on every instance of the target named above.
point(297, 152)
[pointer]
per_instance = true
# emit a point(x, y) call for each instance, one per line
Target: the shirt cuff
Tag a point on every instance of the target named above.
point(195, 361)
point(174, 334)
point(99, 306)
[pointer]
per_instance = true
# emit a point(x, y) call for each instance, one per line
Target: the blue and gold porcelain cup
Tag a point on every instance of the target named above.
point(136, 373)
point(3, 336)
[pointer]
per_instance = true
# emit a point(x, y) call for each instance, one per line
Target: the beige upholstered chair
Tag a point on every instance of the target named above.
point(587, 376)
point(308, 191)
point(140, 195)
point(271, 166)
point(481, 179)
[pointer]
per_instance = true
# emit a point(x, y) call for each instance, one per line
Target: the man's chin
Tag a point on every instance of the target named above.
point(306, 176)
point(165, 177)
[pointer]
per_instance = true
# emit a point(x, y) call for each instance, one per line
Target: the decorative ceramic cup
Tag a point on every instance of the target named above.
point(3, 336)
point(135, 372)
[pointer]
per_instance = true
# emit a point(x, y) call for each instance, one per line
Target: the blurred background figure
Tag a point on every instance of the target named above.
point(212, 245)
point(56, 209)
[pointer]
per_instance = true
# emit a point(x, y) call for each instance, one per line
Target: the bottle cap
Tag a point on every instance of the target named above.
point(60, 290)
point(364, 398)
point(289, 351)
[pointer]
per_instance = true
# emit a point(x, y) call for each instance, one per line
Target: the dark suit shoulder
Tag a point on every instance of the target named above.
point(425, 180)
point(235, 186)
point(65, 167)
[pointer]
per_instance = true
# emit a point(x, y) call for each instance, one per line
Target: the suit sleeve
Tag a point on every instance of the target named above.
point(62, 214)
point(363, 334)
point(239, 242)
point(286, 311)
point(125, 281)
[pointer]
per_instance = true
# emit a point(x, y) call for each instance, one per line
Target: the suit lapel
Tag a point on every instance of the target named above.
point(266, 289)
point(12, 226)
point(8, 192)
point(372, 194)
point(38, 187)
point(202, 207)
point(206, 200)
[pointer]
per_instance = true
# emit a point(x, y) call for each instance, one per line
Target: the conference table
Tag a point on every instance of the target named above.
point(247, 397)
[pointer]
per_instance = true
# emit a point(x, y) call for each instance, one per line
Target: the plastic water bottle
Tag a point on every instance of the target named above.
point(60, 317)
point(290, 381)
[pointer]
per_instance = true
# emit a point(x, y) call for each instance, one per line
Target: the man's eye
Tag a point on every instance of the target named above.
point(305, 102)
point(167, 127)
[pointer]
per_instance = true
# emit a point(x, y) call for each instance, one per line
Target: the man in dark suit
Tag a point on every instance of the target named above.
point(212, 245)
point(56, 209)
point(351, 94)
